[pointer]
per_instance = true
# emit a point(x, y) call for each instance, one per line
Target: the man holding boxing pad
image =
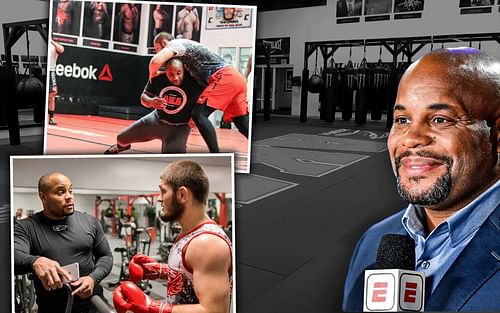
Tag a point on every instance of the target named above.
point(199, 269)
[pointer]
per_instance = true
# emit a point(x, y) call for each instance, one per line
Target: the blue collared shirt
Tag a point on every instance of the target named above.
point(436, 253)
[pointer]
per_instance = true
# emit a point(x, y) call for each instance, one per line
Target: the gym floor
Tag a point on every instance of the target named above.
point(82, 134)
point(314, 188)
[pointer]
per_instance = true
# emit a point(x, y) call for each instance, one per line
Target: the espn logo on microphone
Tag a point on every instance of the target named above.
point(393, 290)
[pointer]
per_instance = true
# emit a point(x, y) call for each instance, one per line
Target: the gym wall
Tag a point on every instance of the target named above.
point(319, 24)
point(29, 200)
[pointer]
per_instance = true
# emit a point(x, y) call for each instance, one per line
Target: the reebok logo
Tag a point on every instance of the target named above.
point(84, 72)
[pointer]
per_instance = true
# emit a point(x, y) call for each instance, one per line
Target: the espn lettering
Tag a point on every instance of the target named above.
point(410, 293)
point(393, 290)
point(84, 72)
point(379, 292)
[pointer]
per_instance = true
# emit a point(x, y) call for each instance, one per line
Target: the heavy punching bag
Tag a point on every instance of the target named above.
point(30, 92)
point(362, 96)
point(329, 75)
point(349, 85)
point(39, 109)
point(379, 82)
point(315, 83)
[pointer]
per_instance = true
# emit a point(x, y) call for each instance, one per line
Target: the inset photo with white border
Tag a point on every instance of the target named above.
point(122, 231)
point(110, 90)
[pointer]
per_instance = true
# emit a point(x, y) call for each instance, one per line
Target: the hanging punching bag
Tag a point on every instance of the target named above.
point(315, 82)
point(349, 82)
point(362, 94)
point(379, 82)
point(329, 75)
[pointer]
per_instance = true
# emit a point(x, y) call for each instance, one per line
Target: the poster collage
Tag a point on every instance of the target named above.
point(351, 11)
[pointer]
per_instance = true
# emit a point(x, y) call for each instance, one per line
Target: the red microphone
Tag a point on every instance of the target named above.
point(394, 286)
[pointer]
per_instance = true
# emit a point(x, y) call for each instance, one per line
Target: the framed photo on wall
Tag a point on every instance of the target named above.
point(244, 57)
point(408, 5)
point(475, 3)
point(66, 17)
point(373, 7)
point(97, 19)
point(347, 8)
point(187, 22)
point(127, 21)
point(160, 20)
point(229, 55)
point(228, 17)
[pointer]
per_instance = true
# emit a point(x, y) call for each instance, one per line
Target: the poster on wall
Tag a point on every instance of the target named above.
point(228, 17)
point(476, 6)
point(66, 17)
point(405, 9)
point(97, 21)
point(229, 55)
point(277, 48)
point(348, 11)
point(377, 10)
point(187, 22)
point(126, 27)
point(245, 54)
point(160, 20)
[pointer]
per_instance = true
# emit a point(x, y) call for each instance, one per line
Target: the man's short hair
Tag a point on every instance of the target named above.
point(163, 36)
point(175, 62)
point(476, 73)
point(188, 174)
point(43, 182)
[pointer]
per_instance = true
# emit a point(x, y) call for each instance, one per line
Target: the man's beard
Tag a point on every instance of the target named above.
point(175, 213)
point(437, 193)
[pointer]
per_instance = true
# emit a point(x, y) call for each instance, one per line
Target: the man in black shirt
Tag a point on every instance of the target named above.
point(173, 94)
point(58, 236)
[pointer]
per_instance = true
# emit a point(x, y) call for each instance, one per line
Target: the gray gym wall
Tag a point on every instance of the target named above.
point(318, 23)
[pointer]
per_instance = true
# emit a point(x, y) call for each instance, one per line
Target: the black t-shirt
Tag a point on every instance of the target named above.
point(77, 238)
point(181, 99)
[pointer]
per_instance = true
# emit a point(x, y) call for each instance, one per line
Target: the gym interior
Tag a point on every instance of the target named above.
point(320, 173)
point(125, 202)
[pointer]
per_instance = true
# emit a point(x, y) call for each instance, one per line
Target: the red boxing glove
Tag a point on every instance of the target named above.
point(143, 267)
point(129, 298)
